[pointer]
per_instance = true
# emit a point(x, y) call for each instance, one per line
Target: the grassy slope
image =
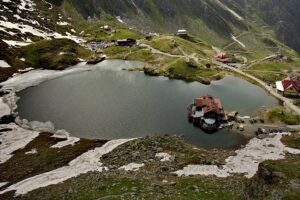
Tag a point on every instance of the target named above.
point(279, 114)
point(53, 54)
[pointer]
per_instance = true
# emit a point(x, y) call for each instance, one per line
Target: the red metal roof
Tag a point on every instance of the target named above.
point(222, 57)
point(290, 83)
point(210, 104)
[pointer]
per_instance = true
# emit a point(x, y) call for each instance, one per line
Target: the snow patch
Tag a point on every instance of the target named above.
point(230, 10)
point(49, 128)
point(4, 64)
point(239, 42)
point(120, 19)
point(16, 43)
point(26, 69)
point(163, 157)
point(4, 108)
point(64, 134)
point(132, 167)
point(27, 5)
point(3, 184)
point(37, 32)
point(13, 140)
point(35, 77)
point(246, 160)
point(32, 151)
point(89, 161)
point(62, 23)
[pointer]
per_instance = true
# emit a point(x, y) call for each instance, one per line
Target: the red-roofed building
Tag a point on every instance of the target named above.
point(221, 57)
point(212, 107)
point(288, 86)
point(206, 111)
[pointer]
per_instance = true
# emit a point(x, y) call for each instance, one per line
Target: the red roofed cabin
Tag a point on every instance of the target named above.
point(288, 86)
point(221, 57)
point(206, 112)
point(211, 107)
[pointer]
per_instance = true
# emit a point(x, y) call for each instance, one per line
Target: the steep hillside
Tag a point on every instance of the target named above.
point(206, 18)
point(282, 15)
point(214, 21)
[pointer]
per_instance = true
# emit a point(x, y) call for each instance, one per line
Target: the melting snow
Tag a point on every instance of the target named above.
point(62, 23)
point(120, 19)
point(27, 5)
point(89, 161)
point(132, 167)
point(32, 151)
point(16, 43)
point(4, 64)
point(247, 159)
point(4, 108)
point(37, 32)
point(230, 10)
point(13, 140)
point(163, 157)
point(35, 77)
point(239, 42)
point(3, 184)
point(64, 134)
point(49, 128)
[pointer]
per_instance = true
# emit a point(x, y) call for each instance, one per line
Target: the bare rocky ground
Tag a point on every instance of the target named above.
point(275, 179)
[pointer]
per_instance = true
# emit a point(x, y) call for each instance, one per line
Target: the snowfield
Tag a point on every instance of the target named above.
point(13, 140)
point(4, 64)
point(87, 162)
point(247, 159)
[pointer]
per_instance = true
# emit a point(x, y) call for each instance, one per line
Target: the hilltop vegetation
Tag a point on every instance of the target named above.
point(53, 54)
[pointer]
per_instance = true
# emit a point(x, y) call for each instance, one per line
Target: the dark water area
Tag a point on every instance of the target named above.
point(110, 103)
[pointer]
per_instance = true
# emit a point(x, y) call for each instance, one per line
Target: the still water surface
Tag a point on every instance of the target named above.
point(110, 103)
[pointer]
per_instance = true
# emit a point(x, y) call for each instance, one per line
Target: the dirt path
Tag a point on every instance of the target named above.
point(156, 51)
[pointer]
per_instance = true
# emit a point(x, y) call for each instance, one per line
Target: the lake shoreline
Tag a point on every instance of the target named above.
point(185, 154)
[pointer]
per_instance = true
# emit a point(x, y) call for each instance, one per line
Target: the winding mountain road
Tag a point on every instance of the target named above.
point(287, 102)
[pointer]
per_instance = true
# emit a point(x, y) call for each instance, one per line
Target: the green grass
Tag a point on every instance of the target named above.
point(122, 33)
point(165, 44)
point(273, 66)
point(281, 115)
point(269, 77)
point(47, 54)
point(95, 186)
point(183, 68)
point(292, 140)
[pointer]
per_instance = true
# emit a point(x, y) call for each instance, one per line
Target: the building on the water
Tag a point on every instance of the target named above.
point(206, 112)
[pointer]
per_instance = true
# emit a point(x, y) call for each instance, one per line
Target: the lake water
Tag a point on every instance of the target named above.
point(110, 103)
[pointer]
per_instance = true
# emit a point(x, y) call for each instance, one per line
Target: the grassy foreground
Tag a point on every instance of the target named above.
point(280, 178)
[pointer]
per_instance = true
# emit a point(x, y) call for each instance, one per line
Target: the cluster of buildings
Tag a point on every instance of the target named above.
point(206, 112)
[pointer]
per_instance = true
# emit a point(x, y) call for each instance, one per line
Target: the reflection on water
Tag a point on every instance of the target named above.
point(110, 103)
